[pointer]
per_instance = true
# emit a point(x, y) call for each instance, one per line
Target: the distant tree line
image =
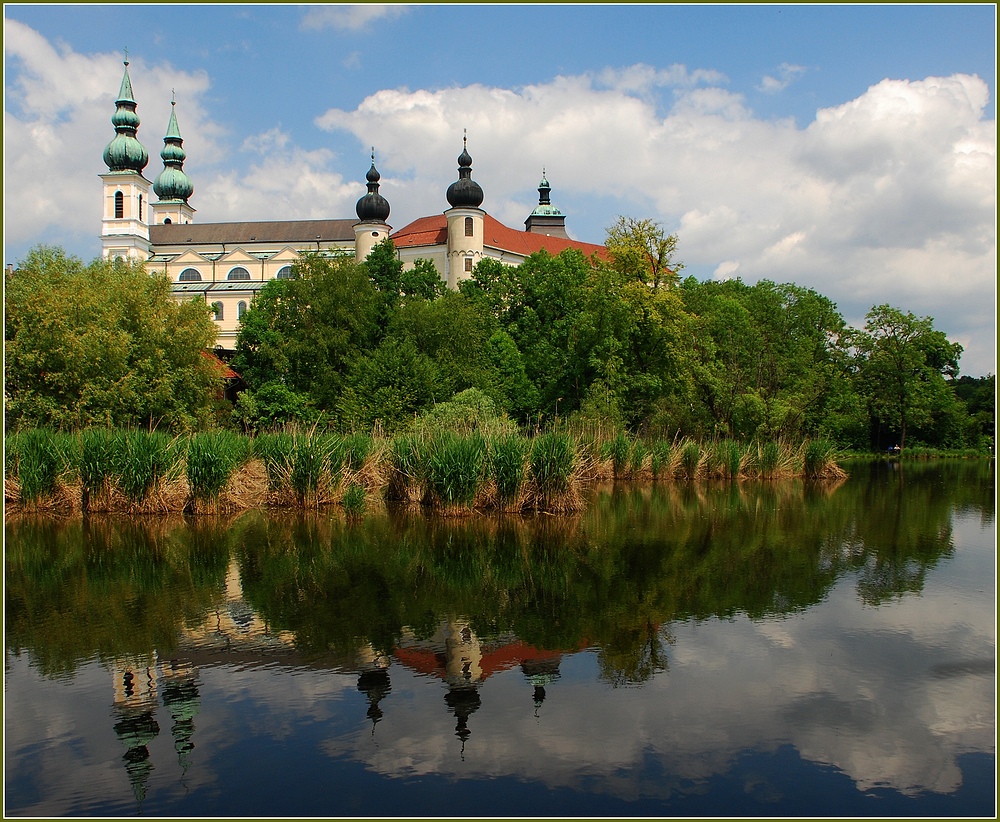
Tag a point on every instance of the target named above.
point(620, 340)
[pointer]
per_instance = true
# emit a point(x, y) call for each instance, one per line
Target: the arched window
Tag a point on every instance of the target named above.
point(216, 311)
point(285, 273)
point(119, 205)
point(238, 273)
point(241, 309)
point(190, 275)
point(167, 221)
point(468, 226)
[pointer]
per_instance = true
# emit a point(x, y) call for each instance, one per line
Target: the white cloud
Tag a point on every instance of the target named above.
point(889, 197)
point(786, 74)
point(349, 18)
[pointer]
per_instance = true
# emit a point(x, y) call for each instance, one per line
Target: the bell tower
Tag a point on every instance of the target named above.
point(373, 211)
point(465, 222)
point(125, 220)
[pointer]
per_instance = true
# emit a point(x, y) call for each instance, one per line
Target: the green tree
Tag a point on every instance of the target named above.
point(642, 250)
point(307, 332)
point(104, 344)
point(902, 365)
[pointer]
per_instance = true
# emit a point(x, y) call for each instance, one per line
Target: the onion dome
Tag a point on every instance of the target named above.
point(173, 184)
point(125, 153)
point(465, 192)
point(373, 207)
point(545, 207)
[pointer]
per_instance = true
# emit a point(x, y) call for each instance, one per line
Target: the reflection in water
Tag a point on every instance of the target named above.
point(668, 629)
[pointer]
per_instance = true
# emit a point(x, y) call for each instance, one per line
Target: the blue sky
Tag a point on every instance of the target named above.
point(850, 149)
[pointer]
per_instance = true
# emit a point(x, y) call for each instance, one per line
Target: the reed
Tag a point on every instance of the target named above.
point(357, 449)
point(212, 457)
point(405, 467)
point(353, 502)
point(141, 459)
point(38, 463)
point(819, 459)
point(690, 459)
point(455, 468)
point(661, 459)
point(309, 460)
point(275, 451)
point(726, 459)
point(637, 458)
point(768, 459)
point(552, 461)
point(617, 450)
point(508, 466)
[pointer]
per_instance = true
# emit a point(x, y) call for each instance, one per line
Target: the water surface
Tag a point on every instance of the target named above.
point(737, 650)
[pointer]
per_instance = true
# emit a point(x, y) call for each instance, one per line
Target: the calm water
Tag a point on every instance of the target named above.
point(678, 650)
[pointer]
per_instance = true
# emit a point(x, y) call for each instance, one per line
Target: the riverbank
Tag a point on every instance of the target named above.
point(133, 472)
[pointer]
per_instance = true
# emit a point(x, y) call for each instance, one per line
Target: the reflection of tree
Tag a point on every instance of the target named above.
point(638, 558)
point(120, 588)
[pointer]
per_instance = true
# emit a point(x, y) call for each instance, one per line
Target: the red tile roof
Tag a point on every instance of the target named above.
point(434, 231)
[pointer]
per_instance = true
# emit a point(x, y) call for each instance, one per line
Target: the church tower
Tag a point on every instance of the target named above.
point(546, 218)
point(465, 222)
point(124, 225)
point(373, 211)
point(173, 187)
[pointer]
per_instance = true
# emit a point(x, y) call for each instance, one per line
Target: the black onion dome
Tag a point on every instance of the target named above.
point(465, 192)
point(373, 207)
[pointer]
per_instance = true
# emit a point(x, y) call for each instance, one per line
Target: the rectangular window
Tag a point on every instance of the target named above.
point(468, 263)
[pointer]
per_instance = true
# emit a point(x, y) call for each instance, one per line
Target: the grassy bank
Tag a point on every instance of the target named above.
point(131, 471)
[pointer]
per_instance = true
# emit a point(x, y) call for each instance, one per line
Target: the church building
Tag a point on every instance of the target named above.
point(226, 264)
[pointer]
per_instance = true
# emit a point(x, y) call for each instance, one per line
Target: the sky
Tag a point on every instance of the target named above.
point(850, 149)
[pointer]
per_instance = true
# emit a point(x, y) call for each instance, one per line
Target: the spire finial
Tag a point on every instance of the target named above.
point(465, 137)
point(373, 155)
point(173, 97)
point(126, 55)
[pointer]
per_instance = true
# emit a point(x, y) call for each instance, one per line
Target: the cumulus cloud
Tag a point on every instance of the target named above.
point(889, 197)
point(349, 18)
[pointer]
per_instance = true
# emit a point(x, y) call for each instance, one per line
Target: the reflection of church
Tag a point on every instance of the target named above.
point(139, 689)
point(226, 264)
point(150, 692)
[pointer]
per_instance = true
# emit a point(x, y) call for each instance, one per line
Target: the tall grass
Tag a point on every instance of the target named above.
point(38, 463)
point(405, 467)
point(141, 459)
point(310, 456)
point(275, 451)
point(690, 459)
point(726, 457)
point(212, 456)
point(454, 468)
point(819, 459)
point(552, 461)
point(96, 462)
point(661, 459)
point(508, 456)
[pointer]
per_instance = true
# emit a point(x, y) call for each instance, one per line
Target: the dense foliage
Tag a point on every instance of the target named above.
point(617, 341)
point(103, 344)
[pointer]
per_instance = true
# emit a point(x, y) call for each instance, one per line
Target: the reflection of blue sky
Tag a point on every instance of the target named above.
point(889, 696)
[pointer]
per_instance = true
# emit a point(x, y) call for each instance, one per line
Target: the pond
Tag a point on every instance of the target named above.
point(748, 649)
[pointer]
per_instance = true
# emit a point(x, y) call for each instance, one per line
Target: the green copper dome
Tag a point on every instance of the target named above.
point(545, 207)
point(125, 153)
point(173, 184)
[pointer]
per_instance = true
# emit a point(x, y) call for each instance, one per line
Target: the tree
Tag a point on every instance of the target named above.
point(640, 249)
point(902, 364)
point(306, 332)
point(104, 344)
